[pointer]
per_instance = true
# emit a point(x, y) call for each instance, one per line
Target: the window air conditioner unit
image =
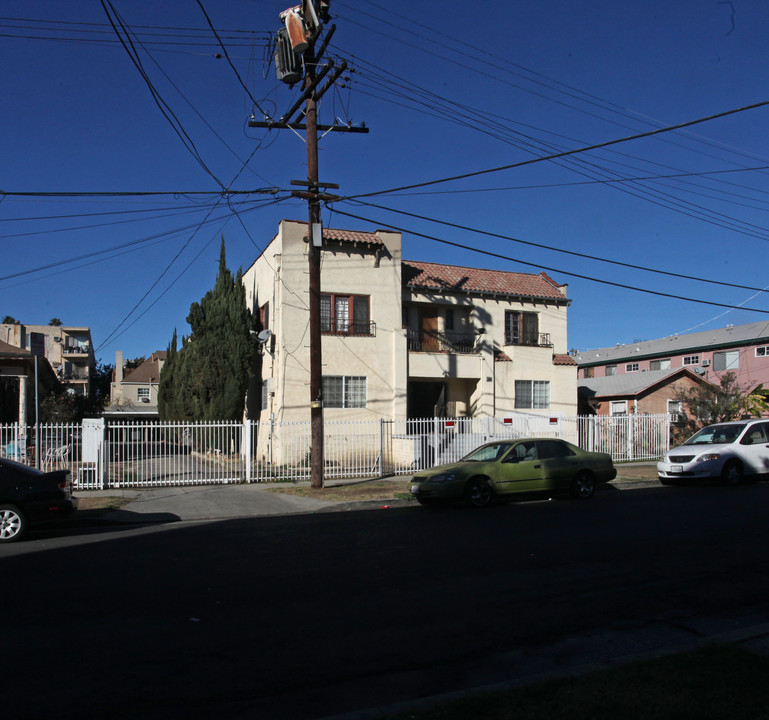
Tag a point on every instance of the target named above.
point(145, 399)
point(706, 363)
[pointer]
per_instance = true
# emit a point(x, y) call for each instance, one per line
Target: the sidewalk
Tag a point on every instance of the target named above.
point(218, 502)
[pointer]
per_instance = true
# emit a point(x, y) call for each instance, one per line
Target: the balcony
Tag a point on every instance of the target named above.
point(339, 327)
point(81, 349)
point(542, 340)
point(438, 342)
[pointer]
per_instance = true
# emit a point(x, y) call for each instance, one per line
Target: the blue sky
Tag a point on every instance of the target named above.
point(447, 89)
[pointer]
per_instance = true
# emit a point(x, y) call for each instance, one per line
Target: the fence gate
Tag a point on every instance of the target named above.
point(91, 472)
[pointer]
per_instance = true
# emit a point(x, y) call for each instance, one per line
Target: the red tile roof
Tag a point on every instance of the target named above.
point(352, 236)
point(559, 359)
point(454, 278)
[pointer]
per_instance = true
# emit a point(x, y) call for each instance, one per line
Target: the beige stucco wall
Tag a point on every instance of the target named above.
point(476, 384)
point(280, 277)
point(493, 389)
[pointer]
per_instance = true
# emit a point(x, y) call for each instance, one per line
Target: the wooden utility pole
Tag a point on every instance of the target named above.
point(306, 32)
point(314, 246)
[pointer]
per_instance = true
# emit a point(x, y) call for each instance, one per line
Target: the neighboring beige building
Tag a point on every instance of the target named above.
point(69, 350)
point(134, 391)
point(404, 339)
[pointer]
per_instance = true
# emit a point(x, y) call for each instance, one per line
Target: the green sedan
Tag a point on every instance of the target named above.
point(509, 468)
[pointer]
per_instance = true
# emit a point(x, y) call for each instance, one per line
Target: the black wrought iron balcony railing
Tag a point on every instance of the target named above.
point(76, 349)
point(459, 343)
point(347, 328)
point(542, 340)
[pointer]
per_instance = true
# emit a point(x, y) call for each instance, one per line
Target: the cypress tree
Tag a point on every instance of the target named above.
point(166, 397)
point(208, 376)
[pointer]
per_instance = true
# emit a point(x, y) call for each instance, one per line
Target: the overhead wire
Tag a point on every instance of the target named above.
point(568, 153)
point(506, 65)
point(165, 109)
point(229, 60)
point(573, 253)
point(661, 198)
point(559, 271)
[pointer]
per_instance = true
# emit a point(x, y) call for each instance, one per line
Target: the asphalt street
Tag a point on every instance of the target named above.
point(322, 614)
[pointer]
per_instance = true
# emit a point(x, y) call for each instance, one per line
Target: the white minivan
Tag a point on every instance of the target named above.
point(730, 451)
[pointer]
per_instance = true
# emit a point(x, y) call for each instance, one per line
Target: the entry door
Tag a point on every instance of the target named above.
point(521, 470)
point(429, 320)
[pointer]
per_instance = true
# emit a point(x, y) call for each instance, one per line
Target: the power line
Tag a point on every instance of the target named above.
point(544, 267)
point(227, 55)
point(568, 153)
point(573, 253)
point(163, 106)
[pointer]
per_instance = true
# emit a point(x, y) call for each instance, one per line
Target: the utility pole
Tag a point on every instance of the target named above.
point(302, 28)
point(314, 246)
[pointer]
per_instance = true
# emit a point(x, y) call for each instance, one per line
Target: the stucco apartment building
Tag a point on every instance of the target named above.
point(404, 339)
point(69, 350)
point(644, 376)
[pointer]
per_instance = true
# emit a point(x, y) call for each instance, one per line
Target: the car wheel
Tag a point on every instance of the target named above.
point(583, 485)
point(478, 492)
point(13, 523)
point(731, 473)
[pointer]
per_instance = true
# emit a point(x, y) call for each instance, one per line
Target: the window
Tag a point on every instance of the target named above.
point(691, 359)
point(611, 370)
point(143, 394)
point(521, 328)
point(589, 372)
point(264, 316)
point(729, 360)
point(762, 351)
point(342, 391)
point(660, 364)
point(532, 394)
point(631, 367)
point(675, 410)
point(266, 393)
point(345, 314)
point(449, 319)
point(618, 407)
point(554, 449)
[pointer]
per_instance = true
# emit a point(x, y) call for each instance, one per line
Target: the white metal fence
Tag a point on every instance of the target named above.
point(116, 455)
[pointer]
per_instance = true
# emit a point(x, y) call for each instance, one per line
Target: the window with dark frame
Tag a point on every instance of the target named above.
point(345, 314)
point(521, 328)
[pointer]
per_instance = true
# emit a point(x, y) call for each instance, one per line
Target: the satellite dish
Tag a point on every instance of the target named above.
point(264, 336)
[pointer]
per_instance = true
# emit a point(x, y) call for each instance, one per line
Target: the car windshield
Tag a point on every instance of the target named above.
point(716, 434)
point(487, 453)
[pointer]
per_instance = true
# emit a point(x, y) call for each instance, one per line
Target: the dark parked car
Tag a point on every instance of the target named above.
point(29, 496)
point(527, 466)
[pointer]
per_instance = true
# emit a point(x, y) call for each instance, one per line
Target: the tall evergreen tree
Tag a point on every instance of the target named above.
point(208, 377)
point(166, 398)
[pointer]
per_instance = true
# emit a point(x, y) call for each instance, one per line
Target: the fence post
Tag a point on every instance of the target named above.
point(436, 441)
point(630, 428)
point(381, 447)
point(246, 449)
